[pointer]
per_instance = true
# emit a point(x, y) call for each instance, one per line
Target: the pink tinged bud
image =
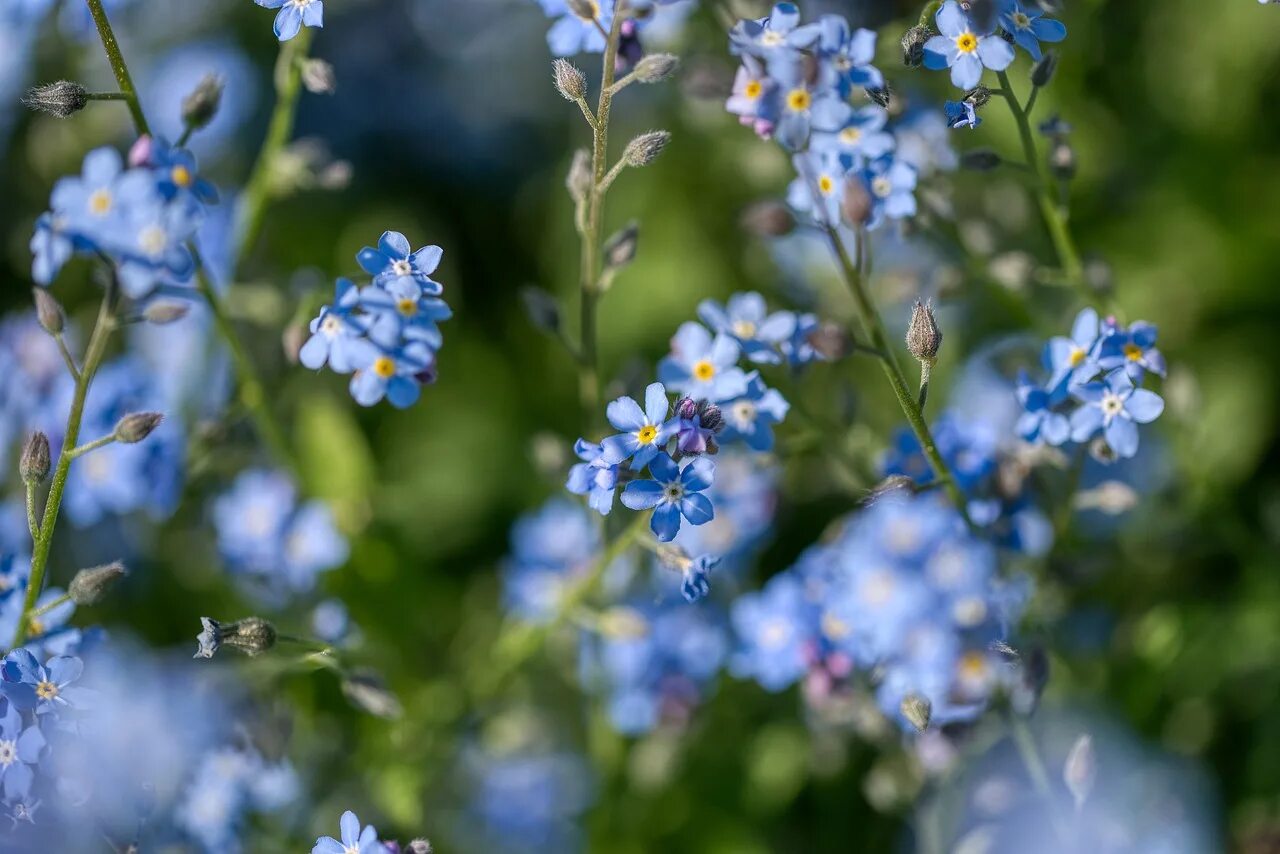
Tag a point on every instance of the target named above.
point(140, 152)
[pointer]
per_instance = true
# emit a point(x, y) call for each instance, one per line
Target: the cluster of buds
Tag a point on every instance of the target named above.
point(700, 422)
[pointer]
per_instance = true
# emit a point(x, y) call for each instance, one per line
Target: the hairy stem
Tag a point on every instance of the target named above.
point(118, 67)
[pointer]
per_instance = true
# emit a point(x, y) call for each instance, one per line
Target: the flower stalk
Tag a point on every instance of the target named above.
point(118, 67)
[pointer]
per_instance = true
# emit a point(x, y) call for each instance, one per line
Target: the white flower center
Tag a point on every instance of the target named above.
point(744, 412)
point(882, 187)
point(330, 326)
point(8, 753)
point(1112, 405)
point(152, 240)
point(877, 588)
point(402, 267)
point(673, 492)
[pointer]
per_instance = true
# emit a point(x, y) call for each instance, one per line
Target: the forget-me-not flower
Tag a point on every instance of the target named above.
point(395, 259)
point(28, 684)
point(572, 33)
point(594, 477)
point(336, 333)
point(747, 319)
point(1116, 408)
point(1074, 359)
point(354, 839)
point(703, 367)
point(752, 416)
point(294, 15)
point(20, 751)
point(964, 48)
point(644, 431)
point(1029, 27)
point(673, 492)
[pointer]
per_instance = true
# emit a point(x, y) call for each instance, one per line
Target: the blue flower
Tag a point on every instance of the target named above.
point(1133, 349)
point(800, 103)
point(336, 333)
point(754, 98)
point(294, 15)
point(747, 319)
point(961, 114)
point(644, 432)
point(799, 350)
point(1114, 407)
point(752, 416)
point(46, 688)
point(702, 367)
point(550, 548)
point(844, 55)
point(695, 583)
point(401, 311)
point(20, 751)
point(1074, 359)
point(394, 260)
point(773, 39)
point(573, 34)
point(773, 629)
point(176, 172)
point(963, 48)
point(397, 375)
point(594, 477)
point(354, 840)
point(818, 188)
point(673, 492)
point(856, 133)
point(891, 183)
point(1041, 420)
point(1030, 27)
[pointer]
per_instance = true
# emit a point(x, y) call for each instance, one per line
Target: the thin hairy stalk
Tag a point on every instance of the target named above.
point(118, 67)
point(588, 363)
point(1055, 216)
point(101, 442)
point(873, 328)
point(42, 543)
point(33, 523)
point(926, 371)
point(257, 192)
point(46, 608)
point(67, 358)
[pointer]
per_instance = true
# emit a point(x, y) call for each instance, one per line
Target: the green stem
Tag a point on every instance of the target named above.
point(44, 609)
point(1055, 217)
point(588, 366)
point(67, 358)
point(926, 370)
point(81, 450)
point(40, 549)
point(257, 192)
point(118, 66)
point(873, 328)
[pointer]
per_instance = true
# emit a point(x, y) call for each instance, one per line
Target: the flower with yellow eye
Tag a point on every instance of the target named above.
point(401, 311)
point(891, 183)
point(395, 260)
point(1074, 359)
point(964, 47)
point(747, 319)
point(1133, 349)
point(703, 367)
point(177, 174)
point(46, 688)
point(396, 374)
point(776, 38)
point(754, 99)
point(644, 432)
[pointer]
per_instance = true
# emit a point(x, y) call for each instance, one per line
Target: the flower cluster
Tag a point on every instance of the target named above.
point(384, 334)
point(141, 215)
point(35, 699)
point(275, 542)
point(903, 592)
point(1094, 387)
point(230, 783)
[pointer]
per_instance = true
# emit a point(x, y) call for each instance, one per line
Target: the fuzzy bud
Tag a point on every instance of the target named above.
point(880, 95)
point(161, 313)
point(924, 338)
point(855, 203)
point(1042, 71)
point(419, 846)
point(645, 148)
point(620, 249)
point(980, 160)
point(583, 9)
point(913, 45)
point(199, 107)
point(686, 408)
point(656, 67)
point(90, 586)
point(578, 181)
point(570, 82)
point(712, 417)
point(542, 309)
point(1062, 160)
point(49, 312)
point(894, 484)
point(1080, 769)
point(319, 77)
point(768, 219)
point(978, 96)
point(252, 636)
point(34, 464)
point(61, 99)
point(917, 710)
point(136, 426)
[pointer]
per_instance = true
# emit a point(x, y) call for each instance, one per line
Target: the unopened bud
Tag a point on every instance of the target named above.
point(768, 219)
point(318, 77)
point(855, 203)
point(1080, 769)
point(980, 160)
point(570, 82)
point(620, 249)
point(61, 99)
point(712, 418)
point(924, 338)
point(686, 408)
point(894, 484)
point(830, 341)
point(199, 107)
point(136, 426)
point(1042, 71)
point(880, 95)
point(978, 96)
point(161, 313)
point(656, 67)
point(645, 148)
point(49, 312)
point(419, 846)
point(1062, 160)
point(542, 309)
point(366, 690)
point(252, 636)
point(34, 464)
point(584, 9)
point(90, 586)
point(917, 710)
point(913, 45)
point(578, 181)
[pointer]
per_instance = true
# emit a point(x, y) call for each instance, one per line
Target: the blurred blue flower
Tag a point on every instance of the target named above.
point(354, 839)
point(747, 319)
point(594, 477)
point(46, 688)
point(845, 55)
point(294, 15)
point(550, 548)
point(673, 492)
point(755, 97)
point(572, 34)
point(1133, 348)
point(21, 747)
point(773, 628)
point(751, 417)
point(702, 367)
point(527, 800)
point(891, 183)
point(855, 133)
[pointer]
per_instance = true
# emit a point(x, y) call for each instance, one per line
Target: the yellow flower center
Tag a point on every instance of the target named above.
point(407, 307)
point(966, 42)
point(744, 329)
point(973, 667)
point(753, 89)
point(834, 627)
point(1132, 352)
point(703, 371)
point(181, 176)
point(771, 38)
point(849, 136)
point(1077, 357)
point(384, 367)
point(647, 434)
point(825, 184)
point(798, 100)
point(100, 202)
point(46, 690)
point(35, 626)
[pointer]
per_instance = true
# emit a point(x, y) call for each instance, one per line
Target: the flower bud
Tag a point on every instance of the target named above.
point(583, 9)
point(917, 710)
point(894, 484)
point(142, 151)
point(656, 67)
point(768, 219)
point(1062, 160)
point(49, 312)
point(136, 426)
point(61, 99)
point(90, 586)
point(366, 690)
point(419, 846)
point(880, 95)
point(645, 148)
point(924, 338)
point(542, 309)
point(980, 160)
point(579, 179)
point(34, 464)
point(318, 77)
point(978, 96)
point(855, 203)
point(712, 418)
point(1042, 71)
point(169, 311)
point(1080, 769)
point(199, 107)
point(570, 82)
point(686, 408)
point(252, 636)
point(830, 341)
point(913, 45)
point(620, 249)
